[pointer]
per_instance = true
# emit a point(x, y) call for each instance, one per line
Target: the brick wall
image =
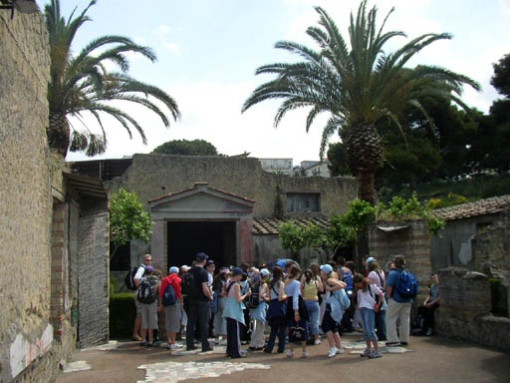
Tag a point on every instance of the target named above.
point(26, 334)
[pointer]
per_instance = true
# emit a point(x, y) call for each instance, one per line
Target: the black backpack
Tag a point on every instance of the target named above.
point(147, 291)
point(129, 281)
point(254, 299)
point(188, 286)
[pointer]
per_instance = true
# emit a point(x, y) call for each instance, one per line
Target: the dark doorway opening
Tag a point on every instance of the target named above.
point(216, 238)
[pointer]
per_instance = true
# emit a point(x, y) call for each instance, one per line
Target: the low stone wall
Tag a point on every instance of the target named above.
point(465, 309)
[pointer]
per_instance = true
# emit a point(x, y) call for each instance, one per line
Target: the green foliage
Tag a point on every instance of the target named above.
point(338, 159)
point(359, 214)
point(292, 236)
point(401, 209)
point(501, 78)
point(122, 315)
point(187, 148)
point(128, 219)
point(340, 233)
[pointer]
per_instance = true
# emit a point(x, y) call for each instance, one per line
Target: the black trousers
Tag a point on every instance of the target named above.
point(198, 317)
point(233, 338)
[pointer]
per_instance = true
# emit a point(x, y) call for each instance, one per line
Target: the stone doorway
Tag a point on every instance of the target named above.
point(215, 238)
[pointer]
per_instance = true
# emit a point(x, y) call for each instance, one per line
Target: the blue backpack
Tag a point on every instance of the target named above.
point(169, 297)
point(407, 286)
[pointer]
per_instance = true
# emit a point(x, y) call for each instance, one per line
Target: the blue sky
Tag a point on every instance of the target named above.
point(208, 51)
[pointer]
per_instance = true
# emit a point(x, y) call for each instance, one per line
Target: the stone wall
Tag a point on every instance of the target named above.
point(465, 309)
point(152, 176)
point(26, 332)
point(412, 240)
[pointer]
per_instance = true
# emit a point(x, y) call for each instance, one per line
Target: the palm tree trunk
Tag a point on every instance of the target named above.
point(366, 190)
point(58, 133)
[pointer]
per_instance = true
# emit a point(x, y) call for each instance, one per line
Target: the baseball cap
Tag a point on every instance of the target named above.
point(237, 271)
point(281, 263)
point(149, 269)
point(327, 269)
point(264, 272)
point(200, 257)
point(370, 260)
point(173, 270)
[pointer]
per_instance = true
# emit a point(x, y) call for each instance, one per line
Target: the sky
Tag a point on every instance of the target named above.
point(208, 51)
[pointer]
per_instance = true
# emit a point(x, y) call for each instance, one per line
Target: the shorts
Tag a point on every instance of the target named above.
point(328, 323)
point(149, 315)
point(173, 317)
point(138, 306)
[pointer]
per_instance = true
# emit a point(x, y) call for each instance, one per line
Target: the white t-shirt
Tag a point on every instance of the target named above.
point(367, 300)
point(378, 278)
point(139, 273)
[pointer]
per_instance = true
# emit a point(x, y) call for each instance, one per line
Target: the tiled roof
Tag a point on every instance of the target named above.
point(269, 226)
point(474, 209)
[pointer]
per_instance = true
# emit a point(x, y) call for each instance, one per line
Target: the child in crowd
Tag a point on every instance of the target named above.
point(369, 298)
point(258, 314)
point(172, 311)
point(297, 315)
point(334, 311)
point(276, 313)
point(233, 312)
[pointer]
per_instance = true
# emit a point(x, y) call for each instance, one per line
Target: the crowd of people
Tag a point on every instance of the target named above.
point(241, 304)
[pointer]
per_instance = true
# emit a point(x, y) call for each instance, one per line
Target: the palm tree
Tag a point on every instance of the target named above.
point(82, 83)
point(358, 85)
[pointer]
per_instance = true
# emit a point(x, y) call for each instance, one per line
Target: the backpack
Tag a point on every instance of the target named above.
point(254, 298)
point(146, 292)
point(129, 280)
point(169, 297)
point(347, 278)
point(188, 286)
point(407, 286)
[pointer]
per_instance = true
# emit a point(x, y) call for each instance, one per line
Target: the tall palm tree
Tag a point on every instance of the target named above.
point(82, 83)
point(358, 85)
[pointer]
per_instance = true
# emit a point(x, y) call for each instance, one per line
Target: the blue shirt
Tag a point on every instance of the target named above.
point(393, 279)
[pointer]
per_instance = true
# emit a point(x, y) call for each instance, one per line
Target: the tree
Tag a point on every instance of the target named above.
point(82, 83)
point(501, 78)
point(358, 85)
point(187, 148)
point(128, 220)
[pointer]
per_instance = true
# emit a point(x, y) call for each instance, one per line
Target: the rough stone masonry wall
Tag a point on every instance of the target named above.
point(413, 242)
point(152, 175)
point(26, 335)
point(465, 309)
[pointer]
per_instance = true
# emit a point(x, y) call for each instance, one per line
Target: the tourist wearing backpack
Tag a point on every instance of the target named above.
point(147, 295)
point(195, 287)
point(399, 307)
point(140, 272)
point(171, 304)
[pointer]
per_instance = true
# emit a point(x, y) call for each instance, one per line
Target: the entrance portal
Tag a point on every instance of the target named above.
point(215, 238)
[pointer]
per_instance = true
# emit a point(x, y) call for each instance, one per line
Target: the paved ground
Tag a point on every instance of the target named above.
point(432, 359)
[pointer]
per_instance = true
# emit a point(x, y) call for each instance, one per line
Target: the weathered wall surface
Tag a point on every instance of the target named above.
point(26, 334)
point(152, 175)
point(413, 242)
point(465, 309)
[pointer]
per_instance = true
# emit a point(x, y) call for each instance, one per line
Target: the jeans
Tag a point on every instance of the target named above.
point(278, 327)
point(233, 338)
point(198, 315)
point(380, 324)
point(368, 316)
point(313, 315)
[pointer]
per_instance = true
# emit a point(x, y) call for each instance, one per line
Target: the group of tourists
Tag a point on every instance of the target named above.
point(238, 304)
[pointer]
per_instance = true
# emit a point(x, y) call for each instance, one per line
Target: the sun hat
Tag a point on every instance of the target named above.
point(173, 270)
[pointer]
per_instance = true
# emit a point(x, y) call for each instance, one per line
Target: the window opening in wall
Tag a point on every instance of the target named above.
point(122, 258)
point(303, 202)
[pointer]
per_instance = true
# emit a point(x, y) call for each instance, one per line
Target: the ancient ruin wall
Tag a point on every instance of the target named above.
point(152, 176)
point(26, 335)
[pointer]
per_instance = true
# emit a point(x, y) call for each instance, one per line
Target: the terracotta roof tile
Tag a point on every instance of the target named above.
point(269, 226)
point(474, 209)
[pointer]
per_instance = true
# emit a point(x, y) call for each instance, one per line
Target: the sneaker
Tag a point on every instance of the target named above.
point(332, 352)
point(365, 353)
point(404, 344)
point(290, 354)
point(305, 355)
point(268, 351)
point(392, 344)
point(144, 343)
point(317, 342)
point(339, 350)
point(175, 346)
point(374, 354)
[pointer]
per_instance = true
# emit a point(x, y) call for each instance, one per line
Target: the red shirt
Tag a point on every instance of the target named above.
point(175, 281)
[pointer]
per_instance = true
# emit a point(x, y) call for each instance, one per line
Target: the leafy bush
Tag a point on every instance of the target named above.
point(122, 315)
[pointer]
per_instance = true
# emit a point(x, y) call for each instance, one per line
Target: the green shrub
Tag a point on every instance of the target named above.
point(122, 315)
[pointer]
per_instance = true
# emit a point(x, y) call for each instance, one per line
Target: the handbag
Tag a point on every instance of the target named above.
point(276, 309)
